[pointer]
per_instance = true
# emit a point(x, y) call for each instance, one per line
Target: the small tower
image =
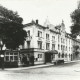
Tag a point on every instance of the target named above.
point(32, 21)
point(47, 23)
point(62, 26)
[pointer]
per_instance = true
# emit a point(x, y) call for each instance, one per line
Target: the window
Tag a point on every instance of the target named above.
point(61, 47)
point(62, 55)
point(66, 48)
point(58, 47)
point(7, 58)
point(69, 48)
point(47, 46)
point(53, 38)
point(39, 55)
point(15, 54)
point(61, 40)
point(66, 41)
point(69, 55)
point(66, 55)
point(47, 36)
point(58, 38)
point(59, 55)
point(39, 44)
point(53, 46)
point(15, 58)
point(39, 34)
point(7, 53)
point(11, 56)
point(69, 41)
point(28, 33)
point(11, 53)
point(28, 44)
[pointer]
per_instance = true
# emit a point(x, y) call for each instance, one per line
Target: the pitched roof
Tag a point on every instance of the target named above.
point(51, 28)
point(33, 23)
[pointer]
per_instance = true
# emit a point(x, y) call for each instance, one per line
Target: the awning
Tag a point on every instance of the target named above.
point(52, 52)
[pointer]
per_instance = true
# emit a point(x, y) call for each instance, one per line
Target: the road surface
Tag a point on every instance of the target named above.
point(70, 71)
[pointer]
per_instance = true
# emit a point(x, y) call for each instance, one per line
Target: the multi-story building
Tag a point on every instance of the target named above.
point(45, 43)
point(41, 39)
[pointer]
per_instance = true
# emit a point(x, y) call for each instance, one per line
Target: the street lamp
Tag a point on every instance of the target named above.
point(1, 55)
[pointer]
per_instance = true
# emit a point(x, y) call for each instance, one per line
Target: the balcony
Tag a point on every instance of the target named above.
point(47, 40)
point(29, 38)
point(39, 38)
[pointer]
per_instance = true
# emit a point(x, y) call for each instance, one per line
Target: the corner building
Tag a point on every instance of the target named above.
point(47, 37)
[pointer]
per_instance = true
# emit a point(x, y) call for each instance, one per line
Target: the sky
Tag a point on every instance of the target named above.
point(55, 10)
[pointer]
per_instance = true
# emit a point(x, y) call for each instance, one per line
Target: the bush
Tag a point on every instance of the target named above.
point(11, 64)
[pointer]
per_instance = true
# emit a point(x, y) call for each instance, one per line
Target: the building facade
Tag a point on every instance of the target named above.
point(41, 39)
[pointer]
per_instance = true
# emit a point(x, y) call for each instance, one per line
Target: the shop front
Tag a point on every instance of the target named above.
point(10, 58)
point(31, 56)
point(27, 57)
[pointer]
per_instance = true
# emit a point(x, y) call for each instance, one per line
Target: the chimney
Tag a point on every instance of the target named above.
point(37, 21)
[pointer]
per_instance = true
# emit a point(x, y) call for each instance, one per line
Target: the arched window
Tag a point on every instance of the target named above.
point(62, 55)
point(66, 55)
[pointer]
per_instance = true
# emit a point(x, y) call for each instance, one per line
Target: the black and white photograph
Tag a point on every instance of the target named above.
point(39, 39)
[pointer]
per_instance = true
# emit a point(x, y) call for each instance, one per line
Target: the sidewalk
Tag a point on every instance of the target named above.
point(36, 66)
point(30, 67)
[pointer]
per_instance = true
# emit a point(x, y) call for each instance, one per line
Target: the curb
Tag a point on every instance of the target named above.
point(30, 67)
point(34, 67)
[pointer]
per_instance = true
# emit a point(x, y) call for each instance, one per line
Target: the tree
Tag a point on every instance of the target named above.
point(75, 16)
point(11, 28)
point(76, 47)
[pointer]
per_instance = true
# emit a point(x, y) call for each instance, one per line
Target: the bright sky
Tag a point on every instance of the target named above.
point(56, 10)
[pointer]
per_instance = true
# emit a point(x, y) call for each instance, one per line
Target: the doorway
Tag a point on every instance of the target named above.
point(48, 58)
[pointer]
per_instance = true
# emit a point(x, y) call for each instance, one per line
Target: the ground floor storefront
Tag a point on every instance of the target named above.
point(30, 57)
point(10, 58)
point(27, 57)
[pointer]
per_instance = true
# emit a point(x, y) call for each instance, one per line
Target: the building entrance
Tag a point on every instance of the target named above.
point(48, 58)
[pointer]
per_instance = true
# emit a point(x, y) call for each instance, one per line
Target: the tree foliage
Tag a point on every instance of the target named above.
point(75, 28)
point(76, 47)
point(11, 28)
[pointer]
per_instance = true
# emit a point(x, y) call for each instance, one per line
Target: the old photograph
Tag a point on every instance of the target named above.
point(39, 39)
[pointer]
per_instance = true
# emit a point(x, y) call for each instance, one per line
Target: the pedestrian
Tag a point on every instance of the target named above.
point(24, 60)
